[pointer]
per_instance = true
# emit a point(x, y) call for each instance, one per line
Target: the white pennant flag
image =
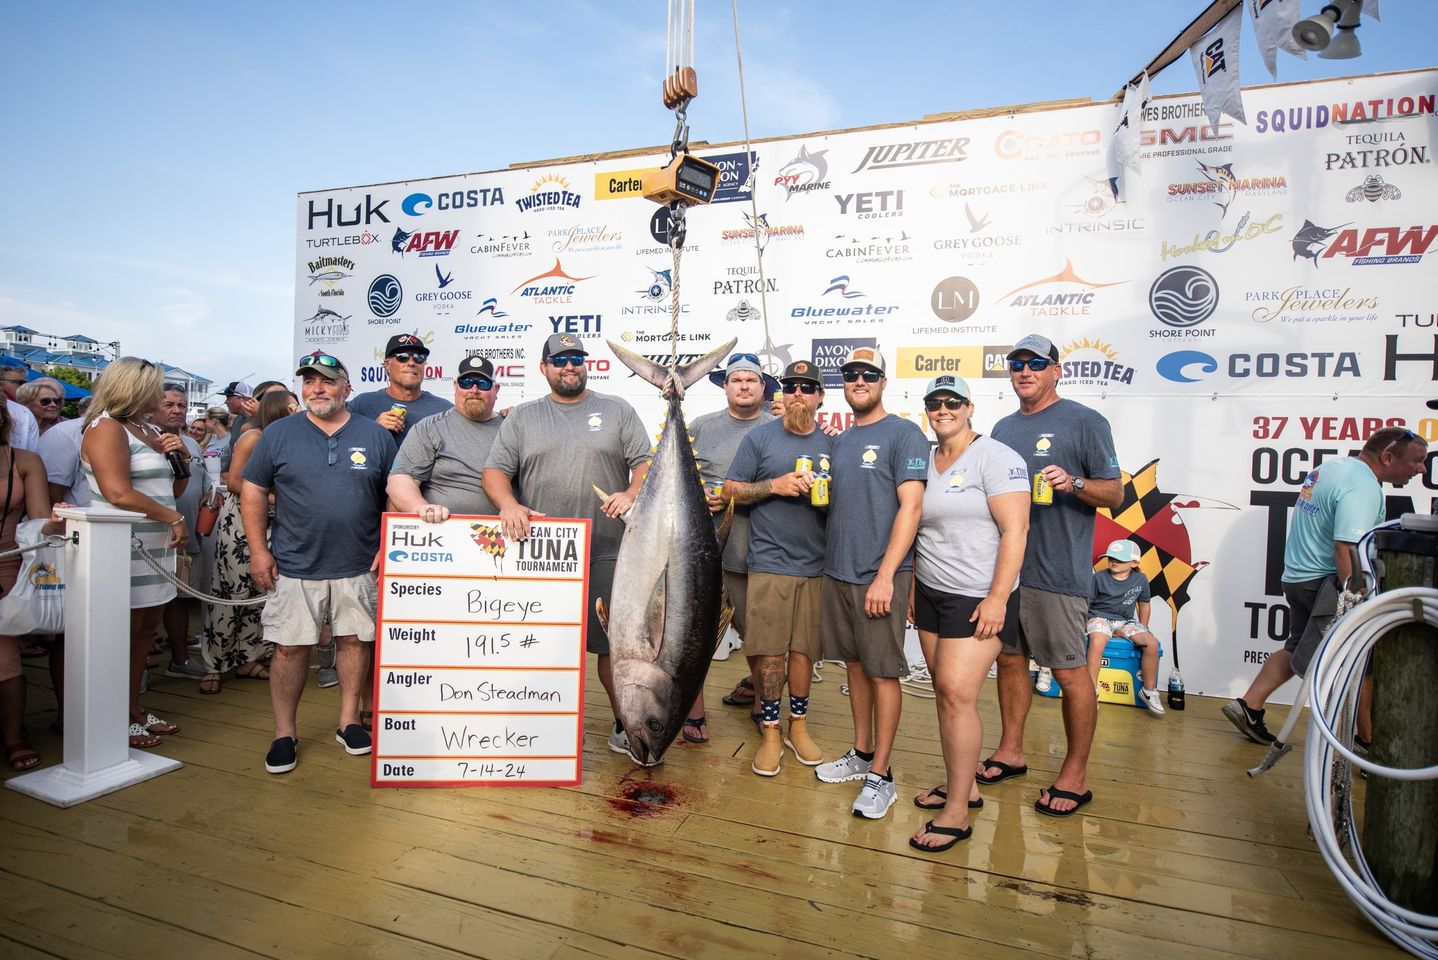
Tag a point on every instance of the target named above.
point(1124, 148)
point(1370, 9)
point(1215, 61)
point(1273, 22)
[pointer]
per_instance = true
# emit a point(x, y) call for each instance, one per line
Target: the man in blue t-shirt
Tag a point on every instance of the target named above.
point(879, 465)
point(327, 470)
point(402, 402)
point(1341, 500)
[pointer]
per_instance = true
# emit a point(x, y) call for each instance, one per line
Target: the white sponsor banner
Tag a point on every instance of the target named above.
point(1215, 63)
point(479, 653)
point(1281, 268)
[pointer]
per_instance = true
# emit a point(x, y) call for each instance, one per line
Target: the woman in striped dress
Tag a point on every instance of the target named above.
point(124, 461)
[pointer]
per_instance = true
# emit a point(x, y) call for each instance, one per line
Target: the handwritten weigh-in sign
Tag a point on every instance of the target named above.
point(479, 656)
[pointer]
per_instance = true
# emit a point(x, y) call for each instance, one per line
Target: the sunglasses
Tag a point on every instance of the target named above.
point(808, 389)
point(567, 360)
point(870, 376)
point(948, 403)
point(469, 383)
point(316, 359)
point(48, 402)
point(405, 356)
point(334, 457)
point(734, 358)
point(1033, 363)
point(1407, 436)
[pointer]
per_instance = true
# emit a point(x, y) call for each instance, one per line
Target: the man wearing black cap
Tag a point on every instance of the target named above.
point(240, 401)
point(785, 559)
point(1073, 470)
point(440, 464)
point(715, 437)
point(327, 472)
point(550, 455)
point(402, 402)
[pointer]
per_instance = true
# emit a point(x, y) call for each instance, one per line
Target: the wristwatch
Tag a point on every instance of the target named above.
point(1078, 484)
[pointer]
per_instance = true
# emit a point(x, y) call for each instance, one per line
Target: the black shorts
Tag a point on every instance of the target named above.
point(947, 614)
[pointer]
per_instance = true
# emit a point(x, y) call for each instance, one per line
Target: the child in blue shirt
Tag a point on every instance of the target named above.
point(1119, 607)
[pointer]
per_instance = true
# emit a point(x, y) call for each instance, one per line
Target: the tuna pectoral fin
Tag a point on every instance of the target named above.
point(723, 532)
point(602, 612)
point(658, 373)
point(654, 615)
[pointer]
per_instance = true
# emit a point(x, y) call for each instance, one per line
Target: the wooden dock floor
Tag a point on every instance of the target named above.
point(1180, 855)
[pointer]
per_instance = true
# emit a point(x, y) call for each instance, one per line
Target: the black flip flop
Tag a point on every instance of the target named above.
point(747, 685)
point(942, 793)
point(955, 832)
point(1080, 801)
point(1006, 772)
point(698, 724)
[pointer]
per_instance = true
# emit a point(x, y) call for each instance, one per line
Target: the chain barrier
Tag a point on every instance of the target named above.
point(154, 565)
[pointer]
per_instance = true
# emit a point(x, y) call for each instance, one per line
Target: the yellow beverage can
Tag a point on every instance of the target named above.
point(819, 492)
point(804, 465)
point(1043, 493)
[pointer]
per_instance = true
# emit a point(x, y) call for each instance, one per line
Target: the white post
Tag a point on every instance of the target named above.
point(98, 759)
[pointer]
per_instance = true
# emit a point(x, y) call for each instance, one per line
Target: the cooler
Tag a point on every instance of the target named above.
point(1118, 677)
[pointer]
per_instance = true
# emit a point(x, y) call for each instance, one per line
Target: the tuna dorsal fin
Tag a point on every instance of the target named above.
point(658, 373)
point(654, 614)
point(601, 611)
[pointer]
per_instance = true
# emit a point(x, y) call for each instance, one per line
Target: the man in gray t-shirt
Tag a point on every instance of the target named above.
point(440, 465)
point(716, 437)
point(1073, 470)
point(550, 455)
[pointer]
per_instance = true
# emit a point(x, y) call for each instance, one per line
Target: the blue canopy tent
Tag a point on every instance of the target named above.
point(72, 392)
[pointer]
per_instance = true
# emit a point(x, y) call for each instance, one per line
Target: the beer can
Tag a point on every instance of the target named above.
point(804, 465)
point(715, 488)
point(1043, 493)
point(819, 492)
point(400, 409)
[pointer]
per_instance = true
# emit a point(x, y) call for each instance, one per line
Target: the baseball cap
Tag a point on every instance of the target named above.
point(864, 357)
point(401, 342)
point(948, 383)
point(1038, 345)
point(472, 366)
point(743, 361)
point(563, 343)
point(238, 388)
point(1124, 551)
point(323, 364)
point(802, 370)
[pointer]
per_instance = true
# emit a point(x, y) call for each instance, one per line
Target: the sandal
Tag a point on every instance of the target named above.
point(743, 693)
point(943, 796)
point(1044, 804)
point(210, 684)
point(700, 734)
point(142, 739)
point(21, 756)
point(163, 727)
point(954, 833)
point(1006, 772)
point(254, 670)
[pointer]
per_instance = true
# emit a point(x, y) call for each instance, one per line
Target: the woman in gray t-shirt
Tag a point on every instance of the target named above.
point(970, 547)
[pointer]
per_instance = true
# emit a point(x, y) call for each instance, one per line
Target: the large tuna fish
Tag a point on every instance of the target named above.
point(664, 617)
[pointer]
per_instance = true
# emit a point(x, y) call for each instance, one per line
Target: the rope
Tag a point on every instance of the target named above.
point(753, 203)
point(51, 540)
point(154, 565)
point(676, 245)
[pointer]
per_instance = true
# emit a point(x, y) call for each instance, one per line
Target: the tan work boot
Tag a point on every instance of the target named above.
point(806, 751)
point(768, 758)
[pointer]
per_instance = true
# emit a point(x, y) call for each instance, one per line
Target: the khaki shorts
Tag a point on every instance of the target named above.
point(787, 614)
point(1051, 629)
point(852, 636)
point(298, 608)
point(736, 585)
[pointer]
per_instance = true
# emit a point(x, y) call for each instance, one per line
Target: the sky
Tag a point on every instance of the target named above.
point(152, 151)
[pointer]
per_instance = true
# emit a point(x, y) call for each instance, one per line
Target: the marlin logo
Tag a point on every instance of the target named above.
point(1310, 241)
point(760, 228)
point(323, 315)
point(659, 289)
point(841, 286)
point(329, 278)
point(400, 239)
point(1221, 174)
point(445, 279)
point(491, 307)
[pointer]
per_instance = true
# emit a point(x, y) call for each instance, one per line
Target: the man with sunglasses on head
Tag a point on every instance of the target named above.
point(772, 475)
point(1073, 470)
point(402, 402)
point(441, 462)
point(879, 465)
point(551, 454)
point(1340, 501)
point(326, 469)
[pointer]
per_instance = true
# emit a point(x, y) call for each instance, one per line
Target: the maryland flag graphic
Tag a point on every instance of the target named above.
point(1148, 518)
point(490, 539)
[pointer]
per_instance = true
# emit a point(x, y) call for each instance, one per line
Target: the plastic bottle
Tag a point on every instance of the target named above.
point(1175, 690)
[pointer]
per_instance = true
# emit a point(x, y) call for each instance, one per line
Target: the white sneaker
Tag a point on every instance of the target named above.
point(619, 742)
point(875, 798)
point(1151, 700)
point(1045, 681)
point(850, 766)
point(993, 670)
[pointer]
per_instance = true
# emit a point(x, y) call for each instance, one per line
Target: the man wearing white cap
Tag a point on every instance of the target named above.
point(1073, 470)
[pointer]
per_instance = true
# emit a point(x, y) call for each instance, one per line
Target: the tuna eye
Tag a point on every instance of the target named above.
point(654, 725)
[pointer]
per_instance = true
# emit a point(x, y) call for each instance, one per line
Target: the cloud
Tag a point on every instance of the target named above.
point(182, 308)
point(784, 99)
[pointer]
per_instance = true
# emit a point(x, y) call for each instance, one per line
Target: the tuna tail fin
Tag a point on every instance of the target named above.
point(602, 612)
point(658, 373)
point(724, 527)
point(726, 614)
